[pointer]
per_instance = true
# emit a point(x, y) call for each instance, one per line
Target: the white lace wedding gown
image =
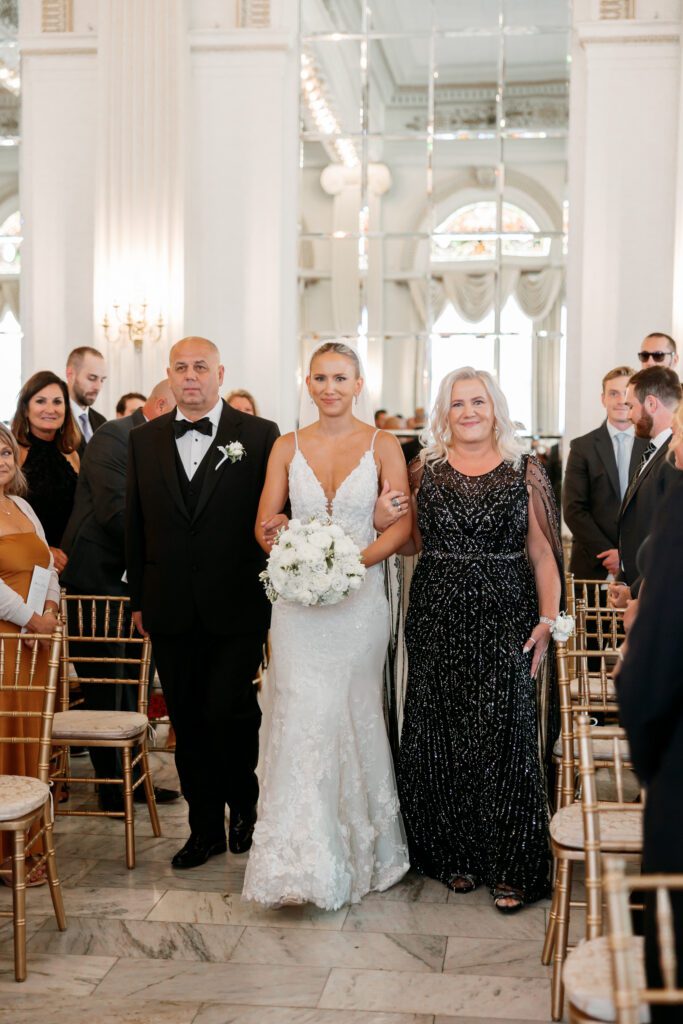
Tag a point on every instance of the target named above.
point(329, 828)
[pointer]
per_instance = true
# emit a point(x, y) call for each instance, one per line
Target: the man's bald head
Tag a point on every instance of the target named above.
point(160, 401)
point(195, 375)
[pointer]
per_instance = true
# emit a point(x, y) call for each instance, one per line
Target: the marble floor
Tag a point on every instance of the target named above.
point(155, 946)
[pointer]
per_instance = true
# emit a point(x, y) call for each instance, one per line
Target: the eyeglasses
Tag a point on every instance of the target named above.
point(658, 357)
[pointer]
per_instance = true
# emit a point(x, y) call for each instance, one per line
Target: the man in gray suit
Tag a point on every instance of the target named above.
point(597, 474)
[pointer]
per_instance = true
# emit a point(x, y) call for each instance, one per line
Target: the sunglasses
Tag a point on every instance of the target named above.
point(658, 357)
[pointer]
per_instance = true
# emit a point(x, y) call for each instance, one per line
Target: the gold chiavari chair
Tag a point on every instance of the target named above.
point(25, 800)
point(592, 686)
point(605, 978)
point(575, 836)
point(103, 623)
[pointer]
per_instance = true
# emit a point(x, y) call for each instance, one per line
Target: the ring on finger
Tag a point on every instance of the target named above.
point(395, 502)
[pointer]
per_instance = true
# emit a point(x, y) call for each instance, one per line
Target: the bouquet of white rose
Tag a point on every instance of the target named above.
point(313, 563)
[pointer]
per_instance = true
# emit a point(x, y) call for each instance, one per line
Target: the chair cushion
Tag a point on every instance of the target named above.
point(603, 750)
point(21, 795)
point(620, 831)
point(587, 976)
point(97, 725)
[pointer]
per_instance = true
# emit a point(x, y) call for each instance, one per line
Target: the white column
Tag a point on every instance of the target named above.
point(139, 229)
point(622, 181)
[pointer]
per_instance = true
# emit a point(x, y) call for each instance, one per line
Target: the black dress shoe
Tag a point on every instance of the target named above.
point(110, 798)
point(241, 830)
point(197, 850)
point(162, 796)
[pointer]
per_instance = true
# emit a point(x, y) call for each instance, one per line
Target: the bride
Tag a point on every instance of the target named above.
point(329, 828)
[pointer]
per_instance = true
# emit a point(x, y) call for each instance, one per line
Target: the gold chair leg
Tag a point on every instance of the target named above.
point(19, 904)
point(51, 868)
point(149, 793)
point(128, 809)
point(549, 944)
point(564, 887)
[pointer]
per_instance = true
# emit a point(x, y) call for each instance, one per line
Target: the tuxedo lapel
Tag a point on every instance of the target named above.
point(167, 459)
point(605, 449)
point(229, 429)
point(637, 481)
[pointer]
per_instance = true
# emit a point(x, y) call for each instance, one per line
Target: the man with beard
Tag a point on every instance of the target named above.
point(86, 372)
point(652, 396)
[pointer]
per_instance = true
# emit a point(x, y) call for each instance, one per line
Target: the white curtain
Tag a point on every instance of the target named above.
point(474, 294)
point(547, 350)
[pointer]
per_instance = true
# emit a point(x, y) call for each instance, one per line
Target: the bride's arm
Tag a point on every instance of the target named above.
point(275, 491)
point(393, 469)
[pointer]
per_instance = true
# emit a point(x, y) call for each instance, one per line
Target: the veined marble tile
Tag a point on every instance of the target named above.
point(517, 958)
point(444, 919)
point(154, 940)
point(413, 888)
point(83, 901)
point(73, 975)
point(225, 983)
point(86, 1010)
point(214, 876)
point(455, 994)
point(33, 924)
point(228, 908)
point(91, 845)
point(339, 949)
point(214, 1014)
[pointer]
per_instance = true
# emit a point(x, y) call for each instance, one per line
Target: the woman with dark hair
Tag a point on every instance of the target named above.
point(48, 440)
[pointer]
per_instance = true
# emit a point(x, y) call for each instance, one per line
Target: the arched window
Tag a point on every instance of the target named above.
point(476, 222)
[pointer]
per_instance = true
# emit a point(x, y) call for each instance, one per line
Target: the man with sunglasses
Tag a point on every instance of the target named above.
point(658, 350)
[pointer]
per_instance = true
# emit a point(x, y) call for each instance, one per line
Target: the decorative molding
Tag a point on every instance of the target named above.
point(610, 9)
point(535, 104)
point(254, 13)
point(57, 16)
point(241, 39)
point(629, 32)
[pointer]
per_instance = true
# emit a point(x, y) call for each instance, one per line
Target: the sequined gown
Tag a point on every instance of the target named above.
point(471, 783)
point(329, 828)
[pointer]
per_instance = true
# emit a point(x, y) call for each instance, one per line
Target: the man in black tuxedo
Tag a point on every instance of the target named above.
point(599, 467)
point(650, 688)
point(86, 372)
point(95, 543)
point(652, 397)
point(194, 482)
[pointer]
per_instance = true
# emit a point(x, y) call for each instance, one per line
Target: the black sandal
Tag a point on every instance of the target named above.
point(504, 892)
point(461, 883)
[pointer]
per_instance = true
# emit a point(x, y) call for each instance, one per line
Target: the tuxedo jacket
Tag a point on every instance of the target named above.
point(592, 498)
point(641, 501)
point(96, 420)
point(650, 687)
point(197, 572)
point(94, 539)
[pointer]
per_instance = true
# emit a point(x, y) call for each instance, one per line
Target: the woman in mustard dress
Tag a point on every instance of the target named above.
point(22, 547)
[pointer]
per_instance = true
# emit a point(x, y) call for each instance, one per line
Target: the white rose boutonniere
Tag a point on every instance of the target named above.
point(563, 627)
point(232, 452)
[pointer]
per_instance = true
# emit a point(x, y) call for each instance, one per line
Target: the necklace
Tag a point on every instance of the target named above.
point(11, 509)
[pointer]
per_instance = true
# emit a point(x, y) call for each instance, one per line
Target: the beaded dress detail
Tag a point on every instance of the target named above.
point(329, 828)
point(471, 780)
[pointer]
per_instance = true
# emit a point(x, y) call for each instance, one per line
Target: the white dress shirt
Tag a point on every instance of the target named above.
point(629, 434)
point(658, 441)
point(193, 446)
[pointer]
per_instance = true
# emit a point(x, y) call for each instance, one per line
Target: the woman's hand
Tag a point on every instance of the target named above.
point(44, 623)
point(618, 595)
point(390, 507)
point(272, 526)
point(59, 558)
point(630, 614)
point(538, 643)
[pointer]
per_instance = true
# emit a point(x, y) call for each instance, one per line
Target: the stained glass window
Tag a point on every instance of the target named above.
point(520, 234)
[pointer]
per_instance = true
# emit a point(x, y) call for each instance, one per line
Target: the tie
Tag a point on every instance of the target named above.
point(86, 429)
point(203, 425)
point(650, 450)
point(622, 462)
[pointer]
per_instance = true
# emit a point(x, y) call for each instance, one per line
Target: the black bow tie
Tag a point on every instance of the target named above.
point(203, 425)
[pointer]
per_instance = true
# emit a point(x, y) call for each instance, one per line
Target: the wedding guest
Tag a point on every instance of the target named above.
point(128, 403)
point(381, 416)
point(598, 470)
point(658, 349)
point(86, 372)
point(240, 398)
point(48, 439)
point(483, 598)
point(22, 547)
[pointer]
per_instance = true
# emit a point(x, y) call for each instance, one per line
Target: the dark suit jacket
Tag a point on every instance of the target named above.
point(197, 573)
point(650, 688)
point(96, 420)
point(94, 536)
point(641, 502)
point(591, 498)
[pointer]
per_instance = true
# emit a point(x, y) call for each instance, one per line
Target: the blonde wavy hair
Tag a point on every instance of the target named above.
point(17, 484)
point(677, 427)
point(437, 436)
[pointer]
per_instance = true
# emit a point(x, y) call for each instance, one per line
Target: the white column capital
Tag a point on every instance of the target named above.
point(336, 177)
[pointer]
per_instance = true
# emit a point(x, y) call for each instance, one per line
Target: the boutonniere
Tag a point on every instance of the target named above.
point(232, 452)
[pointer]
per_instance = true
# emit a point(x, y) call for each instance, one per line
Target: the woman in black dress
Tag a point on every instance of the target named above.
point(483, 597)
point(48, 439)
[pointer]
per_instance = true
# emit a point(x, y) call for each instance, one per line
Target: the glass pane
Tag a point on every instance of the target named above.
point(409, 17)
point(466, 15)
point(536, 93)
point(398, 76)
point(464, 171)
point(319, 17)
point(331, 86)
point(516, 362)
point(466, 83)
point(537, 13)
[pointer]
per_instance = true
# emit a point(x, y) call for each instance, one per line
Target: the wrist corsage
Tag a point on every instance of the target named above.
point(561, 628)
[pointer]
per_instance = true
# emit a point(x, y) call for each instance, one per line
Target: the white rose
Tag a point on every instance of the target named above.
point(562, 628)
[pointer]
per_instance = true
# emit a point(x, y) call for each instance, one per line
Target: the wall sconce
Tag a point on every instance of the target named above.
point(133, 325)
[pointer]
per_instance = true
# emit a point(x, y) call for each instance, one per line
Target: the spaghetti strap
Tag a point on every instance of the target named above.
point(372, 443)
point(296, 440)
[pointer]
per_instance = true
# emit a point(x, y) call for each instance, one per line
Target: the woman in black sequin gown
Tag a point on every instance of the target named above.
point(48, 438)
point(471, 779)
